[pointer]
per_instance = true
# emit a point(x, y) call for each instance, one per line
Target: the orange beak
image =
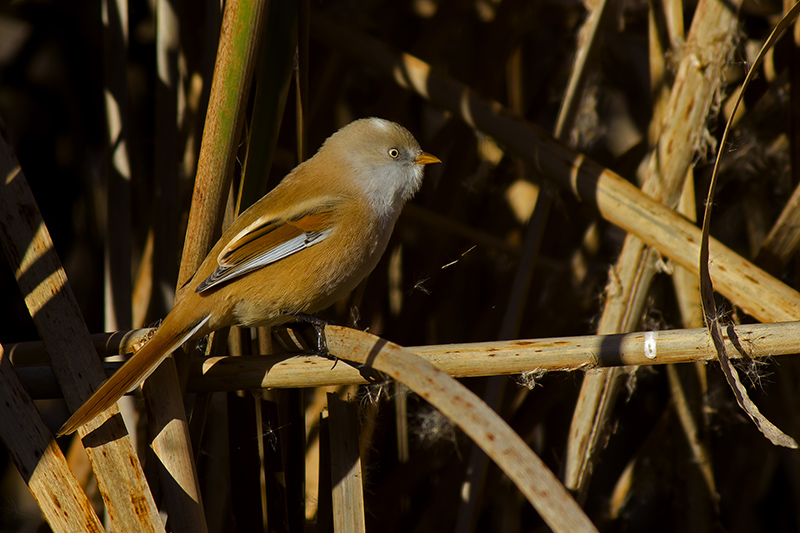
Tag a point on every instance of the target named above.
point(426, 159)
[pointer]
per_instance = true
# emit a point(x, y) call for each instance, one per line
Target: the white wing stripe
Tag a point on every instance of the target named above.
point(292, 246)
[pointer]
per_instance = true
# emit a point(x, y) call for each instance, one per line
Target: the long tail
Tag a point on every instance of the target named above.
point(134, 371)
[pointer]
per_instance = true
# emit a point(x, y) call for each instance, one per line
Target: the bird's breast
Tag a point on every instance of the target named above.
point(314, 278)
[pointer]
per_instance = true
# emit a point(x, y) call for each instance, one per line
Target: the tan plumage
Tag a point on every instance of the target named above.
point(301, 247)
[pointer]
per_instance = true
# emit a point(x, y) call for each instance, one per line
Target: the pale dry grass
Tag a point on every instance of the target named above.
point(631, 90)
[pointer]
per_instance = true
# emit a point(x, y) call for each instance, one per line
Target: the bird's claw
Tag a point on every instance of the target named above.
point(319, 326)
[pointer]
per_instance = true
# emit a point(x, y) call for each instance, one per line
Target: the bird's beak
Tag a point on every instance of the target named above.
point(426, 159)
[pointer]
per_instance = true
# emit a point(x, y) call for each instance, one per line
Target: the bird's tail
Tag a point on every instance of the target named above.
point(134, 371)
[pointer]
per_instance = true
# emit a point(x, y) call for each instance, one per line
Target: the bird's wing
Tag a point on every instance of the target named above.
point(269, 239)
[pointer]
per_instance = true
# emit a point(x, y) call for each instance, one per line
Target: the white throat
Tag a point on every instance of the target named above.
point(387, 201)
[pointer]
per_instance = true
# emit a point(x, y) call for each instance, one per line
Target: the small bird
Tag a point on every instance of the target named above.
point(301, 247)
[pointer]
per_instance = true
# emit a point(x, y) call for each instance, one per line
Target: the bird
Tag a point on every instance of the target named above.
point(296, 251)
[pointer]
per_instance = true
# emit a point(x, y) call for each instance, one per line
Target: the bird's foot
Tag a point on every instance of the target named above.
point(319, 326)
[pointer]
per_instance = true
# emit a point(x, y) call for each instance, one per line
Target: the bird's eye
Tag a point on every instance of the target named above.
point(394, 153)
